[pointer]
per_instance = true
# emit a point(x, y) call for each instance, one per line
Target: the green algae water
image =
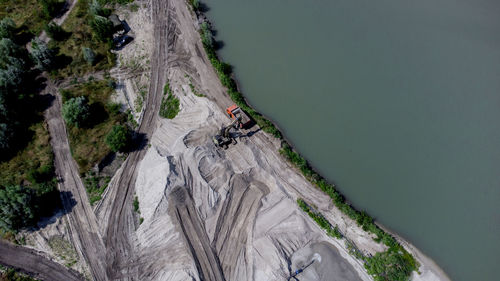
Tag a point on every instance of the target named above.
point(397, 102)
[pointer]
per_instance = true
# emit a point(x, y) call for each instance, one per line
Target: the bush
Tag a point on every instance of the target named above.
point(76, 111)
point(118, 138)
point(41, 54)
point(89, 55)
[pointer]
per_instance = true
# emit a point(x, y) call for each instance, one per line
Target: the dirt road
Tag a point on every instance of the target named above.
point(82, 220)
point(31, 262)
point(120, 220)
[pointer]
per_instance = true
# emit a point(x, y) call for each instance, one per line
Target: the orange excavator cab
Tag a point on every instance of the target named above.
point(235, 112)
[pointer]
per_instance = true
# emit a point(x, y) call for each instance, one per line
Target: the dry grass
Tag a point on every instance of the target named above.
point(24, 12)
point(36, 154)
point(88, 144)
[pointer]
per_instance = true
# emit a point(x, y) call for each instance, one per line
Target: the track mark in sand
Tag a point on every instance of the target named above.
point(236, 218)
point(181, 208)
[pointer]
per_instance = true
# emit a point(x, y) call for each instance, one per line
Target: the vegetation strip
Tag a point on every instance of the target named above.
point(378, 266)
point(170, 104)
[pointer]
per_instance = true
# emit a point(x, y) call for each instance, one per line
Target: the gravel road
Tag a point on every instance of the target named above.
point(34, 264)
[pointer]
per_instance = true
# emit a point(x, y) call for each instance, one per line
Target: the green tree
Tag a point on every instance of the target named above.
point(89, 55)
point(102, 28)
point(17, 207)
point(76, 111)
point(41, 54)
point(11, 54)
point(118, 138)
point(7, 28)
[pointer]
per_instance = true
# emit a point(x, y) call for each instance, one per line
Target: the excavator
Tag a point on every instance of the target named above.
point(240, 121)
point(223, 137)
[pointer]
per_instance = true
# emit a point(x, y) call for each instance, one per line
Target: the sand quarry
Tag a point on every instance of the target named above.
point(208, 213)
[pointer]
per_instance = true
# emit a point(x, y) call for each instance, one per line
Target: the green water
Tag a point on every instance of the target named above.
point(397, 102)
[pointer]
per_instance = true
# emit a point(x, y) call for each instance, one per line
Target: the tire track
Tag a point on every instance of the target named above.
point(118, 234)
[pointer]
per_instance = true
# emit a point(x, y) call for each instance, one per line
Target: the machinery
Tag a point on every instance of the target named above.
point(223, 137)
point(235, 112)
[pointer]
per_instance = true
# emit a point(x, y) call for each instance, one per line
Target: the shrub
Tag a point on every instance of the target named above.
point(89, 55)
point(76, 111)
point(41, 54)
point(118, 138)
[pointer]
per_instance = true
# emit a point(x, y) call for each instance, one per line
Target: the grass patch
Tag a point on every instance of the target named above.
point(169, 104)
point(36, 156)
point(136, 205)
point(70, 50)
point(25, 13)
point(88, 144)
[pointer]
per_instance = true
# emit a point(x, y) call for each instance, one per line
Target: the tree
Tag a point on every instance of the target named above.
point(89, 55)
point(11, 54)
point(118, 138)
point(55, 31)
point(41, 54)
point(17, 207)
point(7, 28)
point(76, 111)
point(102, 27)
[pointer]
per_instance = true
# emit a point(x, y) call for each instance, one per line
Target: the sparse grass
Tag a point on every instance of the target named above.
point(193, 89)
point(26, 13)
point(34, 156)
point(63, 249)
point(81, 36)
point(170, 104)
point(133, 7)
point(88, 143)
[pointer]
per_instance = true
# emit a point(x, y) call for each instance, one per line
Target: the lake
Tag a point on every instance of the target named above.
point(396, 102)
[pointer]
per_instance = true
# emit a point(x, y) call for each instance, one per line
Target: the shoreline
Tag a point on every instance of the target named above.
point(428, 269)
